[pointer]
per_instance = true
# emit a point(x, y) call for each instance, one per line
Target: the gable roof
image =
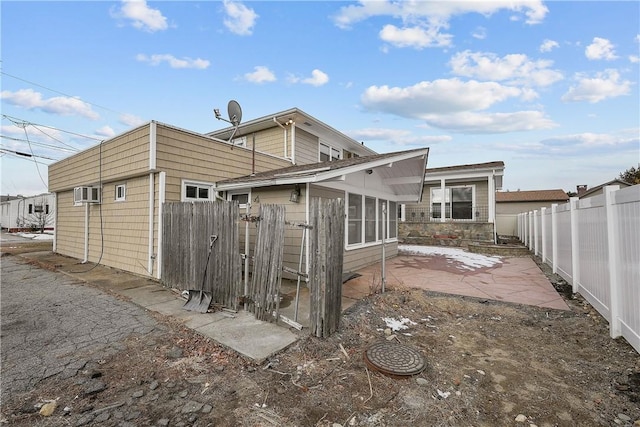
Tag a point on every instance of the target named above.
point(472, 166)
point(595, 189)
point(532, 196)
point(302, 120)
point(401, 173)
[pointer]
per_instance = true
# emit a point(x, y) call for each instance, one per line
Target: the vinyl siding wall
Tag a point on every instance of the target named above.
point(194, 157)
point(122, 156)
point(307, 148)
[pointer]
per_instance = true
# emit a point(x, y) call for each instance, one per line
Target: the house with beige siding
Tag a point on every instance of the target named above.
point(510, 203)
point(458, 206)
point(109, 198)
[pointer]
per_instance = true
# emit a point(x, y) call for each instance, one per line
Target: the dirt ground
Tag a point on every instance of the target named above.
point(487, 364)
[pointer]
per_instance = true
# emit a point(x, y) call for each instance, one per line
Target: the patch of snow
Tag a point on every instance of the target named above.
point(398, 324)
point(36, 236)
point(469, 260)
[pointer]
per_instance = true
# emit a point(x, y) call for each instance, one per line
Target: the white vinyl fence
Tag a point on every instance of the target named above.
point(594, 244)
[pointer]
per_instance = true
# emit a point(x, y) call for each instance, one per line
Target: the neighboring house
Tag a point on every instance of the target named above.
point(584, 192)
point(510, 203)
point(466, 195)
point(110, 196)
point(31, 213)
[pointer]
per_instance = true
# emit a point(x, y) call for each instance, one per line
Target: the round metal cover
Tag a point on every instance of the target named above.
point(394, 359)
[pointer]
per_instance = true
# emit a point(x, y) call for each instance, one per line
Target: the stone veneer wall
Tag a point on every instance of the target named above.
point(445, 233)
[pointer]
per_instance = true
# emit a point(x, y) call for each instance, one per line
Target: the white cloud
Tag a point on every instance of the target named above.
point(454, 105)
point(59, 105)
point(423, 21)
point(513, 68)
point(634, 59)
point(548, 45)
point(261, 74)
point(318, 78)
point(106, 131)
point(240, 19)
point(142, 16)
point(397, 136)
point(441, 96)
point(131, 120)
point(173, 62)
point(603, 85)
point(416, 37)
point(580, 144)
point(480, 33)
point(477, 123)
point(600, 49)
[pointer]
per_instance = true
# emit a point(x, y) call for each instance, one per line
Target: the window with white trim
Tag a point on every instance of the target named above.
point(196, 191)
point(368, 222)
point(329, 153)
point(458, 202)
point(121, 192)
point(241, 198)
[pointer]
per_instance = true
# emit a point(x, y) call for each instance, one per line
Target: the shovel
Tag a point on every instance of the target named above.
point(199, 299)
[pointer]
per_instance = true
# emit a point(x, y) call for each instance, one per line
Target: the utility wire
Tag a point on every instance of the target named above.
point(58, 92)
point(54, 138)
point(41, 144)
point(19, 122)
point(32, 155)
point(23, 156)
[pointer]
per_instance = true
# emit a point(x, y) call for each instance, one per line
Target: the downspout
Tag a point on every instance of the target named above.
point(492, 204)
point(151, 210)
point(86, 233)
point(443, 201)
point(307, 202)
point(293, 143)
point(55, 221)
point(152, 196)
point(161, 200)
point(285, 135)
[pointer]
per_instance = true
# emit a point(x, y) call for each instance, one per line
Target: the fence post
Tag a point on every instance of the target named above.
point(615, 326)
point(575, 233)
point(554, 237)
point(535, 232)
point(530, 242)
point(543, 230)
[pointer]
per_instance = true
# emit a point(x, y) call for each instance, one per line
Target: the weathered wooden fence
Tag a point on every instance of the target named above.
point(187, 231)
point(594, 244)
point(266, 278)
point(326, 261)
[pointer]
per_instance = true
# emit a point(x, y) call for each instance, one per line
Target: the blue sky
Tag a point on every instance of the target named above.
point(550, 88)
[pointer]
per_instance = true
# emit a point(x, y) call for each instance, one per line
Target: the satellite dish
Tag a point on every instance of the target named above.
point(235, 116)
point(235, 112)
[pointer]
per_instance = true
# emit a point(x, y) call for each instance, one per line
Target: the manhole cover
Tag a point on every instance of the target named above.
point(394, 359)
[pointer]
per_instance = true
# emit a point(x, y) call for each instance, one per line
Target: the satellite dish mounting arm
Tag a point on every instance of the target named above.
point(235, 116)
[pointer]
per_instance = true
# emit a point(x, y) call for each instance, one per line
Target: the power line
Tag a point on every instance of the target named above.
point(32, 155)
point(58, 92)
point(25, 156)
point(20, 122)
point(40, 144)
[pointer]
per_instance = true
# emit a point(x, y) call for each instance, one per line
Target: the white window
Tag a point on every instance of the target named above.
point(368, 222)
point(458, 202)
point(329, 153)
point(121, 193)
point(196, 191)
point(241, 198)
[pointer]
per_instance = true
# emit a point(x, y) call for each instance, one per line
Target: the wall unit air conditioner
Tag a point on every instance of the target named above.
point(86, 195)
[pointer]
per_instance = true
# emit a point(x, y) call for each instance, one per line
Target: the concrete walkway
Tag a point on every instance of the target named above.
point(240, 331)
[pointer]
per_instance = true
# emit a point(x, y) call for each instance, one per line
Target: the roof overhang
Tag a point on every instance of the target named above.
point(397, 176)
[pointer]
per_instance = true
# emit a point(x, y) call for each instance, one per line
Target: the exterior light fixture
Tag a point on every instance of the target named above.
point(295, 194)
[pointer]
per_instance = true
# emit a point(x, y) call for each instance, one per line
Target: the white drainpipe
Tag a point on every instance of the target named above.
point(151, 207)
point(86, 233)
